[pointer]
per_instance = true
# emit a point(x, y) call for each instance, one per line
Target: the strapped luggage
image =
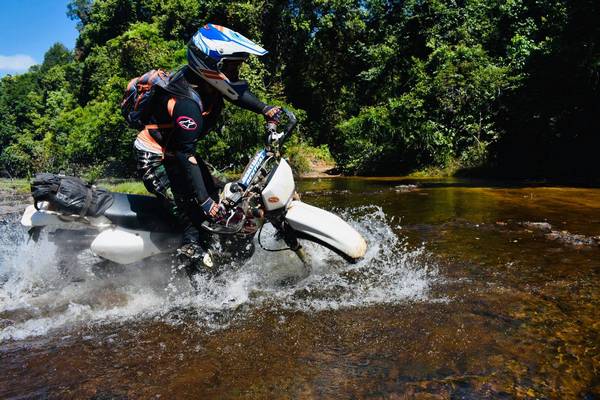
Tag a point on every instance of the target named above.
point(70, 195)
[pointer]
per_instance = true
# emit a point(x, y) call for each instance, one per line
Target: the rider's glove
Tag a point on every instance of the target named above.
point(272, 114)
point(213, 210)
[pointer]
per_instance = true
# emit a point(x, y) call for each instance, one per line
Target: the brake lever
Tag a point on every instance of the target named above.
point(274, 137)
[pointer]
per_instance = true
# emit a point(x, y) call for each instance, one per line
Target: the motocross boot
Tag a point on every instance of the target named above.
point(195, 260)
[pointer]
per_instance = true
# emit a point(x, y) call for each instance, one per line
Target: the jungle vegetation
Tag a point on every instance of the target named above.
point(510, 87)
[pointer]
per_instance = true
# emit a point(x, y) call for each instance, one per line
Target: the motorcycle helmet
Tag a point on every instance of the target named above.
point(215, 53)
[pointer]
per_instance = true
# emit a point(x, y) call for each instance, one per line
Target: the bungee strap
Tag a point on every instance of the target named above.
point(87, 203)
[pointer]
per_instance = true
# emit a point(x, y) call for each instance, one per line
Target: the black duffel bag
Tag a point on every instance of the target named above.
point(70, 195)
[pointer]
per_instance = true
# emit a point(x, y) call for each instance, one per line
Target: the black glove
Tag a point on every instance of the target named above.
point(213, 210)
point(272, 114)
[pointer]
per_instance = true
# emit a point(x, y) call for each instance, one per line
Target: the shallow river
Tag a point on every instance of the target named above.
point(469, 290)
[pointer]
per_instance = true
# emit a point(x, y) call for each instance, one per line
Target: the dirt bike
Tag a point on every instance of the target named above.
point(136, 227)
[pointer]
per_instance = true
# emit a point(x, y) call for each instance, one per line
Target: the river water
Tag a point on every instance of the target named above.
point(469, 290)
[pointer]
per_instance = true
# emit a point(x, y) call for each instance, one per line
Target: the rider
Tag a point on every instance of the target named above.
point(184, 113)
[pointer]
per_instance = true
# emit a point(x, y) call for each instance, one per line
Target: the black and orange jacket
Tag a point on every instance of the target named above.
point(183, 116)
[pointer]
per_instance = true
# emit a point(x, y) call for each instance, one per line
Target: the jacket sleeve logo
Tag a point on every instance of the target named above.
point(187, 123)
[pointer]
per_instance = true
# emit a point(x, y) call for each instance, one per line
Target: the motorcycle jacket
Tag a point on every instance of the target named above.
point(183, 115)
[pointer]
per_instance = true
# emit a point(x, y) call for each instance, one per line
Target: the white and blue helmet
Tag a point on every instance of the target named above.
point(215, 53)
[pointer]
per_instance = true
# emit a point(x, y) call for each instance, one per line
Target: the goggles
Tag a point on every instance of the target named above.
point(230, 67)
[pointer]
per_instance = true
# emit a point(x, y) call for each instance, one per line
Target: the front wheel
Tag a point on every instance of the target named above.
point(306, 236)
point(291, 236)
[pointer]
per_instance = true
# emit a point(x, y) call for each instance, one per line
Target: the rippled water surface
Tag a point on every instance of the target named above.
point(468, 290)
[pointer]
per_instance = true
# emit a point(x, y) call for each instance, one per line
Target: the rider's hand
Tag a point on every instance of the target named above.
point(272, 114)
point(213, 210)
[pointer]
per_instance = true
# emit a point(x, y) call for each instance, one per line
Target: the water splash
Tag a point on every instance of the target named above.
point(390, 272)
point(43, 289)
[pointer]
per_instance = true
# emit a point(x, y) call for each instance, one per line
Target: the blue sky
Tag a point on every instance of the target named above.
point(28, 28)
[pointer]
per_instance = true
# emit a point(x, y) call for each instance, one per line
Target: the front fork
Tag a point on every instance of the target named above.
point(285, 232)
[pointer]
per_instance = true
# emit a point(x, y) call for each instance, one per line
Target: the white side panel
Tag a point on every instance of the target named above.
point(27, 218)
point(32, 217)
point(280, 189)
point(124, 246)
point(327, 227)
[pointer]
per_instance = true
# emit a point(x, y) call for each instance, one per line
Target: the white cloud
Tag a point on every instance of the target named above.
point(16, 63)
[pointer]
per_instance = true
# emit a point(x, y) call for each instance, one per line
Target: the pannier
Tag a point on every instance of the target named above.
point(70, 195)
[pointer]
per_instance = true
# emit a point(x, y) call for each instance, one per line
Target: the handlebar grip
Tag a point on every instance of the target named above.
point(280, 138)
point(292, 121)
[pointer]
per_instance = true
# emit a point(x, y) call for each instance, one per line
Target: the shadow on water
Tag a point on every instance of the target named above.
point(471, 290)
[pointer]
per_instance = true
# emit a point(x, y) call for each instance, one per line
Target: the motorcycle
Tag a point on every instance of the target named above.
point(136, 227)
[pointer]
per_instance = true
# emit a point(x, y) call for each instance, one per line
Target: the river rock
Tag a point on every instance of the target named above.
point(573, 239)
point(405, 188)
point(565, 237)
point(541, 226)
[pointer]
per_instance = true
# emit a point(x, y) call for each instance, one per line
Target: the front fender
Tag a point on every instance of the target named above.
point(327, 228)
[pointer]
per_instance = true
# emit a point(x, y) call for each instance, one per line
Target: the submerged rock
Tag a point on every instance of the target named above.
point(564, 237)
point(542, 226)
point(573, 239)
point(406, 188)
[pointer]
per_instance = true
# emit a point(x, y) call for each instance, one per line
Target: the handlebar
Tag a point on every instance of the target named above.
point(234, 225)
point(292, 121)
point(280, 138)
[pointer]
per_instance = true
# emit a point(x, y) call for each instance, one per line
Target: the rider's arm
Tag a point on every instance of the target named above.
point(248, 101)
point(188, 122)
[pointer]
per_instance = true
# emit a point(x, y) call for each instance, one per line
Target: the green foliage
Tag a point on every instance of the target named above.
point(133, 187)
point(302, 156)
point(388, 86)
point(18, 185)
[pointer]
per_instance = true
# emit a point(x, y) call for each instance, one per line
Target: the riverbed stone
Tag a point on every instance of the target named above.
point(573, 239)
point(542, 226)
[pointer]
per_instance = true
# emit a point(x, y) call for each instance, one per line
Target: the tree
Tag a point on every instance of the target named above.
point(58, 54)
point(389, 86)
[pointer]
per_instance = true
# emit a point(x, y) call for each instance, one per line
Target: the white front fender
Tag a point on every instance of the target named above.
point(326, 227)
